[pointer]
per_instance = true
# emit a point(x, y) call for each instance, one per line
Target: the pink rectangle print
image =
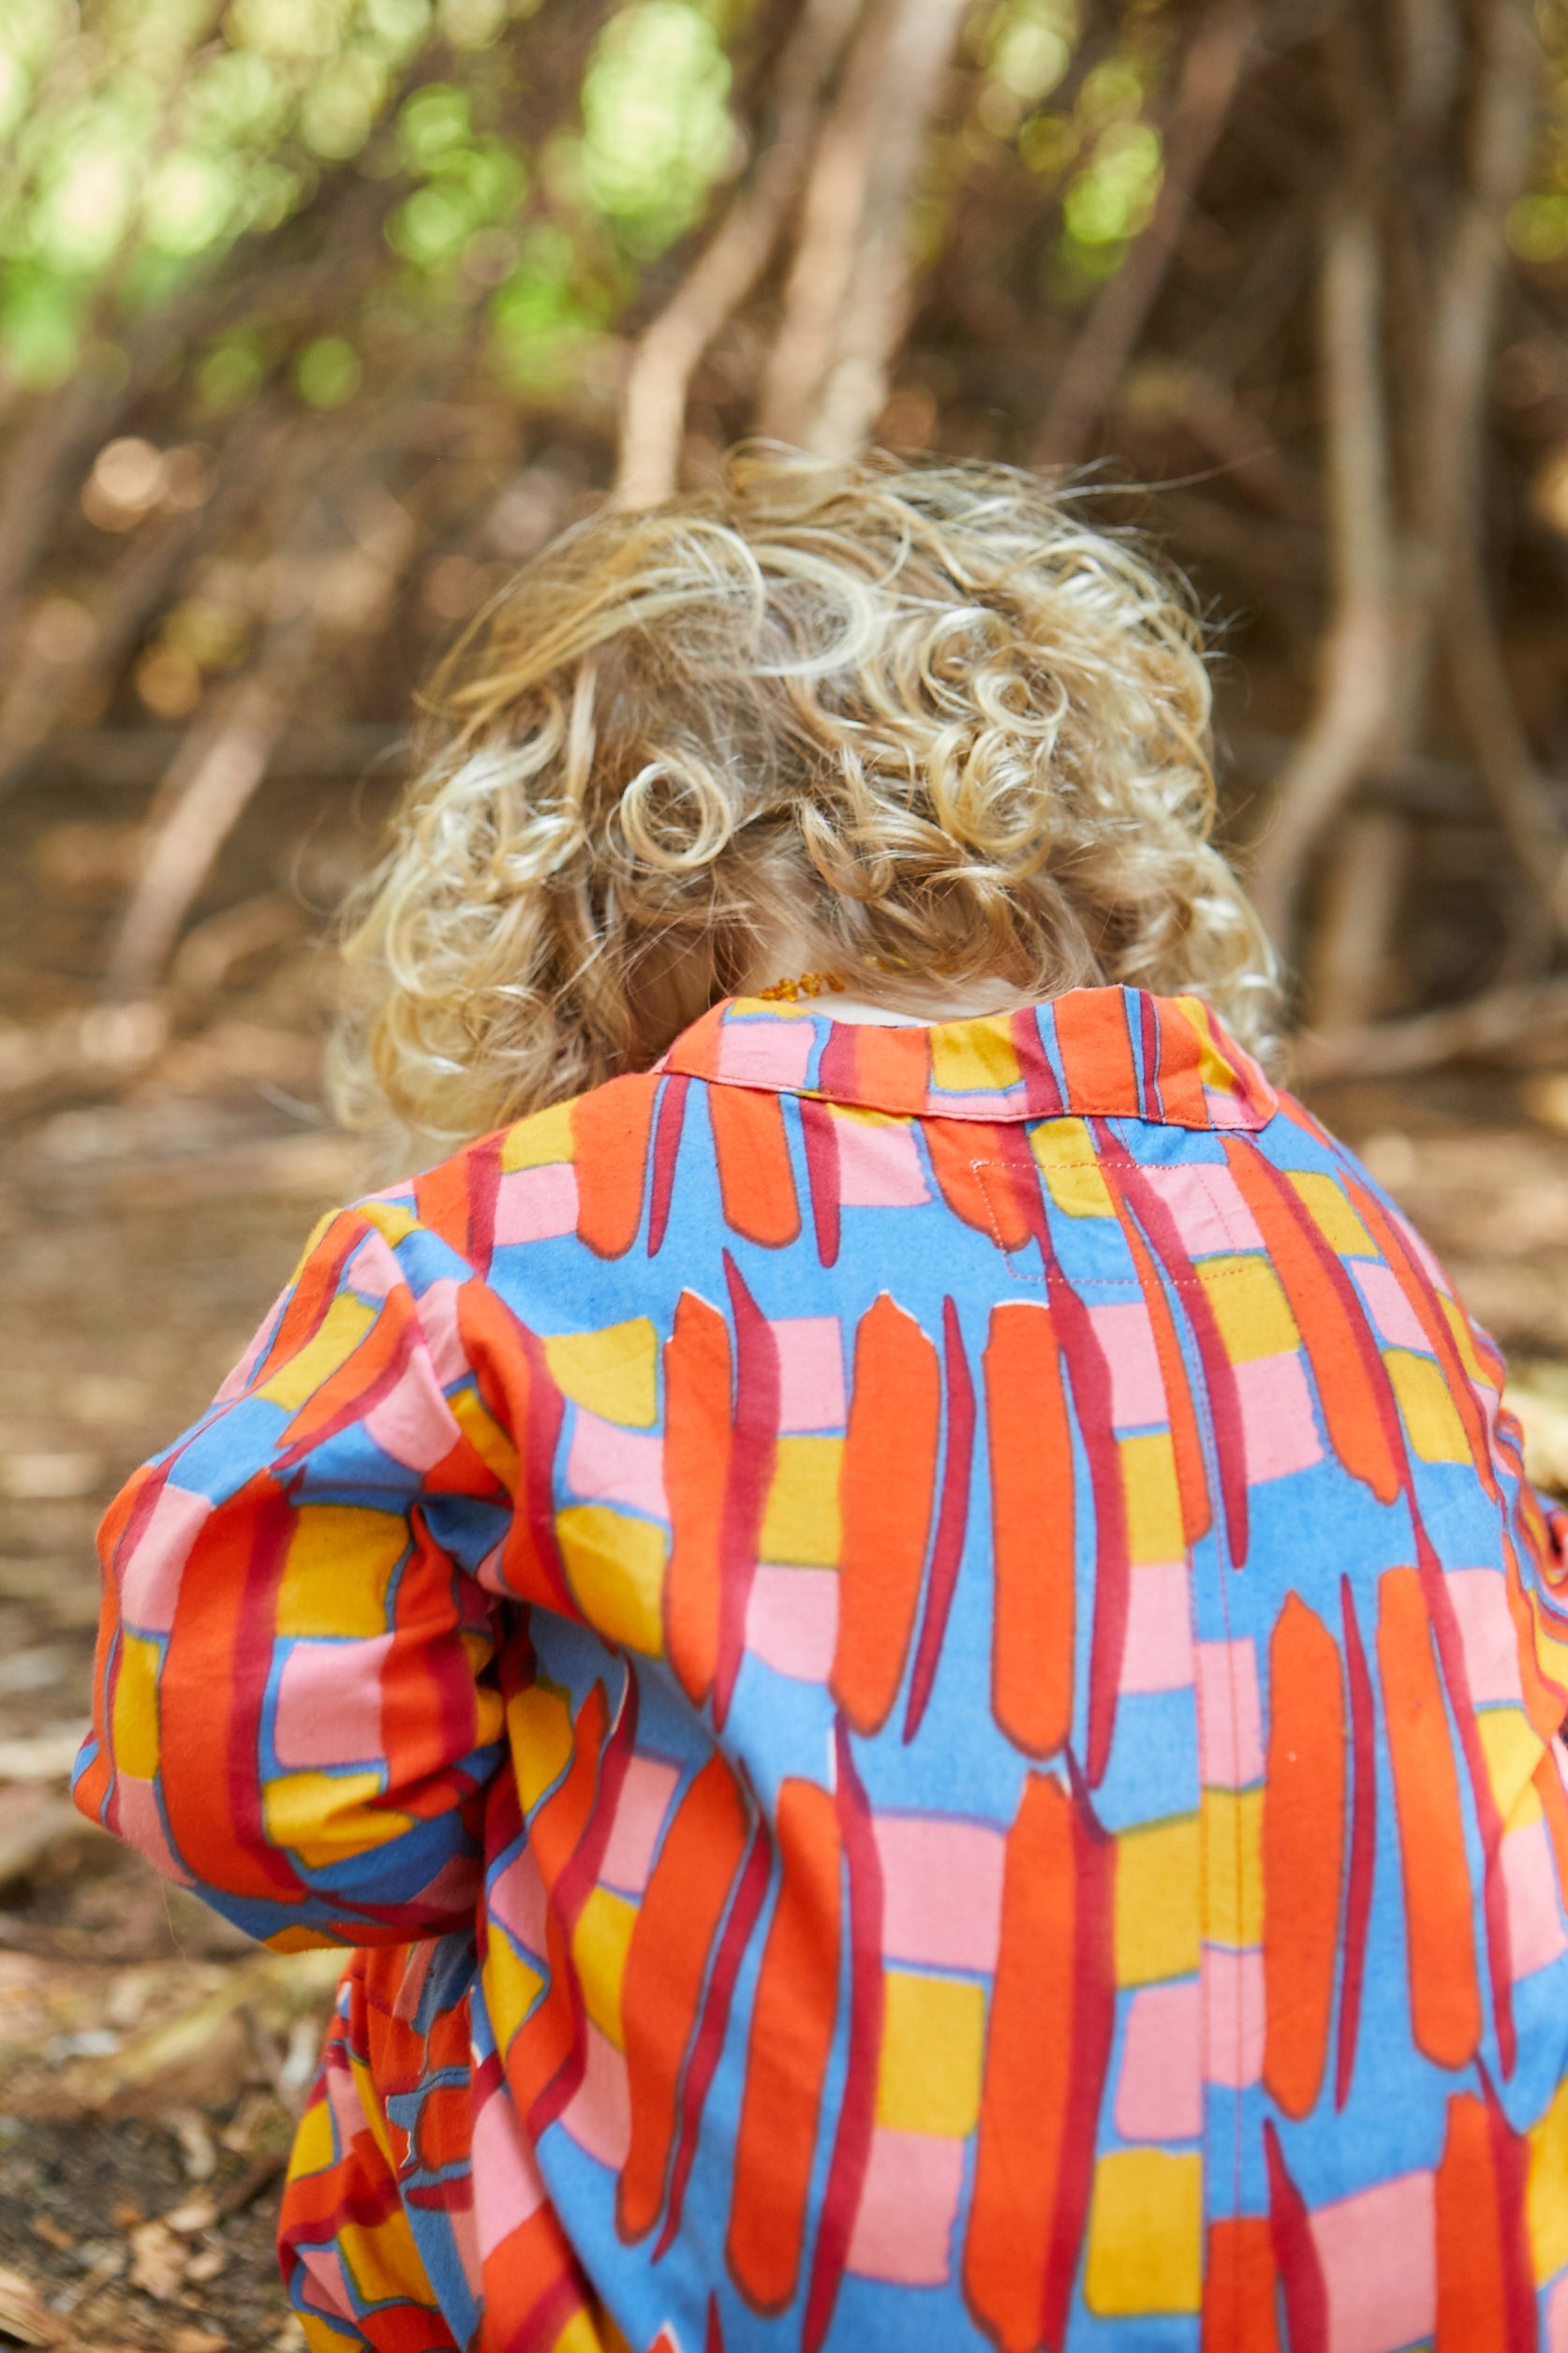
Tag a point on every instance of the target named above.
point(1376, 2306)
point(878, 1167)
point(443, 1336)
point(771, 1053)
point(942, 1890)
point(534, 1205)
point(1232, 1996)
point(1230, 1714)
point(649, 1786)
point(1535, 1937)
point(412, 1421)
point(810, 1373)
point(1207, 1207)
point(791, 1621)
point(1157, 1654)
point(1391, 1311)
point(138, 1819)
point(1487, 1632)
point(517, 1899)
point(617, 1466)
point(598, 2114)
point(149, 1578)
point(909, 2203)
point(507, 2184)
point(1279, 1430)
point(1159, 2091)
point(329, 1703)
point(1126, 1335)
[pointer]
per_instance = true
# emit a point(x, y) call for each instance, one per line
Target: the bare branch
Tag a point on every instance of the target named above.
point(1210, 75)
point(845, 305)
point(1506, 1020)
point(219, 768)
point(1357, 668)
point(729, 266)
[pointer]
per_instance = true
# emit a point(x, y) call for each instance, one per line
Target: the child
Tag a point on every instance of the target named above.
point(897, 1618)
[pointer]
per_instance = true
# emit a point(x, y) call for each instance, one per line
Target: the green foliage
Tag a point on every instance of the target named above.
point(328, 371)
point(139, 139)
point(657, 126)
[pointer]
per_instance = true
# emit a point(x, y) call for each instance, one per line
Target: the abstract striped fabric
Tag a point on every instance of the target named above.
point(921, 1666)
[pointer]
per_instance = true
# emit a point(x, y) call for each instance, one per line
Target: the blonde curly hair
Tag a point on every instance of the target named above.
point(921, 722)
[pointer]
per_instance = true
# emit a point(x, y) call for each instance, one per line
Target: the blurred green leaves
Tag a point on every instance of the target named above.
point(657, 131)
point(143, 138)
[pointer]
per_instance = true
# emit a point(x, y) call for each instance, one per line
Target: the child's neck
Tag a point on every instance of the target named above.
point(788, 959)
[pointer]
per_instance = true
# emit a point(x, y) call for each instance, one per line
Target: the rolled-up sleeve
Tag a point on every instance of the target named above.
point(295, 1706)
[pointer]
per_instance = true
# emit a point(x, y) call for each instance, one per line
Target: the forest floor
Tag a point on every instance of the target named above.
point(151, 2060)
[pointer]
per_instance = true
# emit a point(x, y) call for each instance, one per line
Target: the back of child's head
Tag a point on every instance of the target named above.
point(924, 723)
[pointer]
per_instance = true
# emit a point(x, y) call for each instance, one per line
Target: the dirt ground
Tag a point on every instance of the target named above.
point(151, 2060)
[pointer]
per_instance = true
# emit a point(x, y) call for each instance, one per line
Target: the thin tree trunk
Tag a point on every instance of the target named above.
point(214, 778)
point(724, 274)
point(845, 302)
point(1358, 677)
point(1210, 76)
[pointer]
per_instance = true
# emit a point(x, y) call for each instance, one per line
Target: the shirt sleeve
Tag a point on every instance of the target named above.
point(295, 1704)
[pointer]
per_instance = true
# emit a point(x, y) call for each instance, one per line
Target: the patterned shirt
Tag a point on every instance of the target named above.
point(920, 1664)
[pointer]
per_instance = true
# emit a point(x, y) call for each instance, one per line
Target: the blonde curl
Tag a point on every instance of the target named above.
point(923, 722)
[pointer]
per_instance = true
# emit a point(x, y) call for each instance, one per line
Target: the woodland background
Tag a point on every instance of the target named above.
point(317, 318)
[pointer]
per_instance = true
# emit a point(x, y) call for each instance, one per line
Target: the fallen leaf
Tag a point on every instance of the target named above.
point(202, 2056)
point(198, 2341)
point(44, 2227)
point(197, 2152)
point(200, 2215)
point(22, 2316)
point(125, 2216)
point(159, 2264)
point(207, 2264)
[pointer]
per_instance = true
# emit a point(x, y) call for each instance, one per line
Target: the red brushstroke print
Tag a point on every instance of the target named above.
point(894, 1415)
point(1445, 2000)
point(703, 2061)
point(1089, 1377)
point(1303, 1853)
point(697, 1447)
point(952, 1519)
point(820, 1134)
point(1363, 1845)
point(857, 2106)
point(1351, 1378)
point(609, 1152)
point(1241, 2288)
point(1511, 2172)
point(753, 1450)
point(666, 1969)
point(1444, 1624)
point(756, 1181)
point(1029, 1436)
point(1295, 2256)
point(519, 1394)
point(1094, 2009)
point(792, 2022)
point(1131, 1186)
point(666, 1151)
point(1187, 1442)
point(1047, 2050)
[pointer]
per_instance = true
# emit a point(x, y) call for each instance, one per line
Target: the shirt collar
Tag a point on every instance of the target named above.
point(1093, 1053)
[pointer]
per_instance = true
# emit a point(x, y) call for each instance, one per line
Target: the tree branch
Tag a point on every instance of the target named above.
point(1210, 75)
point(1355, 688)
point(724, 274)
point(844, 304)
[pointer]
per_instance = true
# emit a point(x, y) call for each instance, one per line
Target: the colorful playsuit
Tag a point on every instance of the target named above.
point(921, 1667)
